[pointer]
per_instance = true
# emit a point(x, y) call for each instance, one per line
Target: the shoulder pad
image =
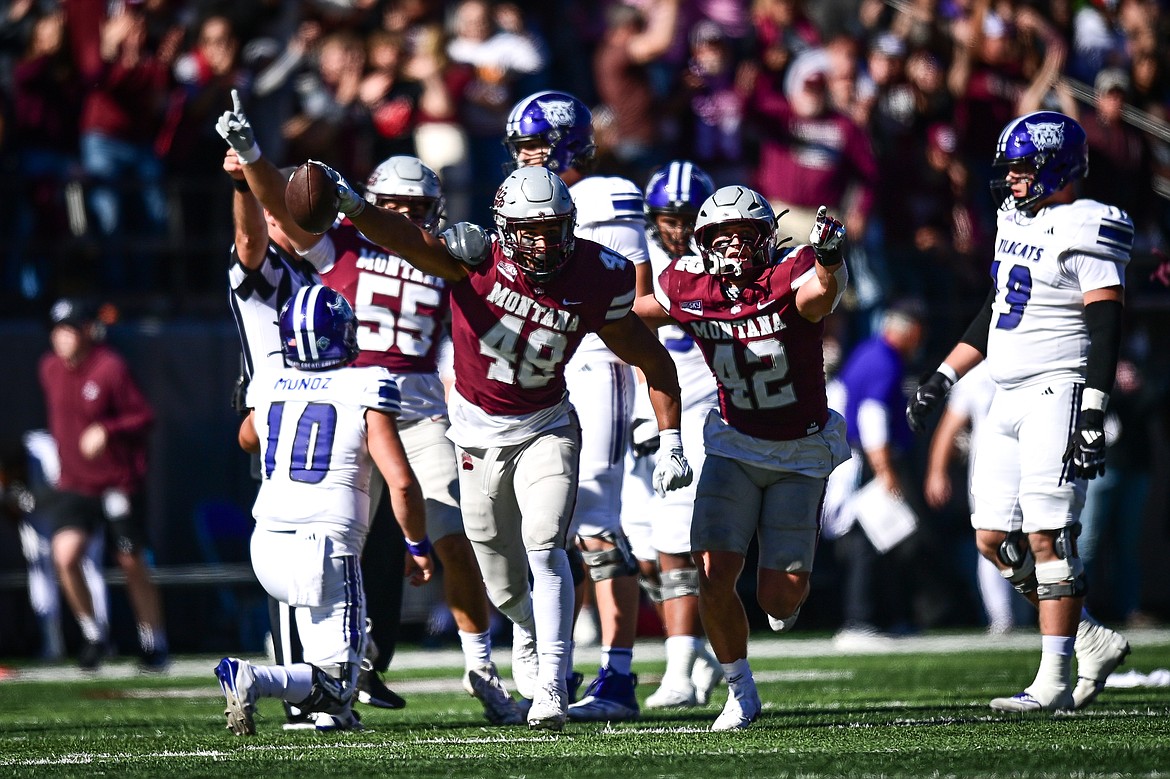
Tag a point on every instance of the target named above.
point(1099, 230)
point(606, 199)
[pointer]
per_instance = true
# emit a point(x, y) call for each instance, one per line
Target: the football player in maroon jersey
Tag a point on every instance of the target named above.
point(522, 300)
point(756, 313)
point(400, 310)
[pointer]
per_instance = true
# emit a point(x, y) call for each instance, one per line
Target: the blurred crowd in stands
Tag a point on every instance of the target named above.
point(886, 110)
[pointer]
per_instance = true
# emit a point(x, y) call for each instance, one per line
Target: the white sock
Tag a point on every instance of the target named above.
point(150, 639)
point(618, 659)
point(91, 630)
point(552, 609)
point(292, 683)
point(997, 593)
point(739, 676)
point(477, 649)
point(1055, 661)
point(680, 657)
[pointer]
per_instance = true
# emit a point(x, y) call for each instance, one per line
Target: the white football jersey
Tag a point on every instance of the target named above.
point(1042, 268)
point(694, 377)
point(609, 212)
point(315, 463)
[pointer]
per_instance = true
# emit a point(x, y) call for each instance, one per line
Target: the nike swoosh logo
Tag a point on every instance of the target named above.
point(567, 302)
point(765, 304)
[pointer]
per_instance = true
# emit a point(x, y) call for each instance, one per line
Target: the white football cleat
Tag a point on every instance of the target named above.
point(238, 683)
point(550, 707)
point(1023, 702)
point(329, 723)
point(705, 675)
point(524, 665)
point(673, 694)
point(498, 705)
point(740, 710)
point(1099, 652)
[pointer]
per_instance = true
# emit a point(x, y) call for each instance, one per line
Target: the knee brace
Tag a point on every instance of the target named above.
point(1021, 571)
point(679, 583)
point(1065, 576)
point(611, 563)
point(333, 689)
point(652, 588)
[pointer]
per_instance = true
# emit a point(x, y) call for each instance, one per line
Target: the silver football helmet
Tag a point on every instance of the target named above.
point(535, 216)
point(404, 180)
point(735, 231)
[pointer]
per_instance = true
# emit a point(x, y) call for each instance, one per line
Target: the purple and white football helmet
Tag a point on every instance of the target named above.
point(561, 122)
point(676, 189)
point(318, 330)
point(1049, 145)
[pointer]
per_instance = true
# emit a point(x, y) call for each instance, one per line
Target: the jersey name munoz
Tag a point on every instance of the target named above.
point(399, 308)
point(513, 336)
point(694, 376)
point(609, 212)
point(256, 297)
point(315, 464)
point(766, 357)
point(1042, 268)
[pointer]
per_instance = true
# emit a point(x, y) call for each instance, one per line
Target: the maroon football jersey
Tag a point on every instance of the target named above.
point(766, 357)
point(399, 308)
point(513, 335)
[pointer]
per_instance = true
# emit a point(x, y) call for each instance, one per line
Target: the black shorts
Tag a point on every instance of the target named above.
point(70, 509)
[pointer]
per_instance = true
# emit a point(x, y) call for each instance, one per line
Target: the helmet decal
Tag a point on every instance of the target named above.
point(558, 112)
point(1046, 136)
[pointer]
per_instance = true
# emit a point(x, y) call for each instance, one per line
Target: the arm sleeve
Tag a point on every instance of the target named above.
point(976, 334)
point(1103, 320)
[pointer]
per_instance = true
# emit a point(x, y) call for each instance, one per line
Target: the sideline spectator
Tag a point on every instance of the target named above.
point(99, 419)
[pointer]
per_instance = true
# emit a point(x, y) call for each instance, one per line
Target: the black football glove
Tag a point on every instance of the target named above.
point(1086, 445)
point(927, 398)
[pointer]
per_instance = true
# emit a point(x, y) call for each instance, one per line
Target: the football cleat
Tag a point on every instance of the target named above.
point(673, 694)
point(609, 698)
point(524, 665)
point(328, 723)
point(238, 684)
point(1099, 652)
point(372, 691)
point(154, 661)
point(549, 708)
point(740, 710)
point(498, 705)
point(706, 675)
point(91, 655)
point(1025, 701)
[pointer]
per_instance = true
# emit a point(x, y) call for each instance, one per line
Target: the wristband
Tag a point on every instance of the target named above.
point(951, 374)
point(669, 441)
point(420, 549)
point(241, 185)
point(1093, 399)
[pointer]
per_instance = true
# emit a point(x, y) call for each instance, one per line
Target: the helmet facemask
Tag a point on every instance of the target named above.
point(734, 257)
point(521, 242)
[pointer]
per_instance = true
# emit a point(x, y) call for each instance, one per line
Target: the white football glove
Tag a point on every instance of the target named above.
point(826, 237)
point(349, 202)
point(671, 469)
point(235, 128)
point(467, 243)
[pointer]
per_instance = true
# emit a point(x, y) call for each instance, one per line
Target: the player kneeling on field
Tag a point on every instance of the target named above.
point(319, 428)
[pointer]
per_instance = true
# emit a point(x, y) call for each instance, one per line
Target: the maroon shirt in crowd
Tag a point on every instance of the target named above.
point(100, 389)
point(809, 162)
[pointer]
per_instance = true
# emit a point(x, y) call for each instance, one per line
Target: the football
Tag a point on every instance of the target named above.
point(311, 198)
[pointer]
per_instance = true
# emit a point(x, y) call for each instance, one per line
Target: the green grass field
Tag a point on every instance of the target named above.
point(920, 710)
